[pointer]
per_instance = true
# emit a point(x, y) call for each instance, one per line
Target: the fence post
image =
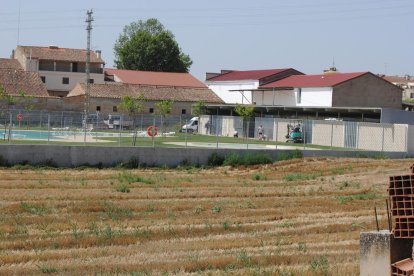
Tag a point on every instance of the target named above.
point(276, 123)
point(10, 127)
point(217, 131)
point(186, 131)
point(48, 128)
point(332, 135)
point(120, 129)
point(382, 147)
point(153, 137)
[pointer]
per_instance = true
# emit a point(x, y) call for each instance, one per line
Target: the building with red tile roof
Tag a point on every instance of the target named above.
point(15, 80)
point(235, 86)
point(168, 79)
point(60, 69)
point(361, 89)
point(323, 80)
point(106, 97)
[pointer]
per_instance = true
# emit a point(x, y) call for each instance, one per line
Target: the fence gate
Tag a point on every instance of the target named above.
point(351, 134)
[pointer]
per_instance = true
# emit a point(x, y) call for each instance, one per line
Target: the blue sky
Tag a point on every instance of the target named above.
point(360, 35)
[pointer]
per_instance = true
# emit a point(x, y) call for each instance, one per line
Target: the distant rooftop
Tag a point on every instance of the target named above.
point(58, 54)
point(155, 78)
point(229, 75)
point(15, 80)
point(324, 80)
point(119, 90)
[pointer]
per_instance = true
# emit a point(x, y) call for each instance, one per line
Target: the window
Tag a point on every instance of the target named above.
point(151, 110)
point(299, 95)
point(98, 108)
point(114, 108)
point(91, 81)
point(75, 67)
point(412, 95)
point(183, 111)
point(65, 80)
point(43, 78)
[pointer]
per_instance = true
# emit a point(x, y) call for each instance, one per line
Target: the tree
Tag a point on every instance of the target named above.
point(199, 109)
point(246, 112)
point(163, 108)
point(134, 106)
point(148, 46)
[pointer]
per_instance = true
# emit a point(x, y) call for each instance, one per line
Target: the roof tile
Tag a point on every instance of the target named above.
point(247, 75)
point(118, 90)
point(156, 78)
point(58, 54)
point(328, 80)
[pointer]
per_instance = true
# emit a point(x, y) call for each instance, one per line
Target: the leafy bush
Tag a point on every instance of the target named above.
point(248, 159)
point(122, 188)
point(320, 265)
point(259, 176)
point(132, 163)
point(295, 154)
point(3, 162)
point(215, 160)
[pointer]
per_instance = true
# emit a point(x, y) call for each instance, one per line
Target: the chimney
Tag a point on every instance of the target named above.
point(12, 54)
point(98, 53)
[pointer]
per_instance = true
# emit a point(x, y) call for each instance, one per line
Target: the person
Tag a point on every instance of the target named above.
point(207, 126)
point(236, 134)
point(260, 132)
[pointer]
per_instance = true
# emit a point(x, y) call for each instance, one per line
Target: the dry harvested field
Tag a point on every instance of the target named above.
point(296, 217)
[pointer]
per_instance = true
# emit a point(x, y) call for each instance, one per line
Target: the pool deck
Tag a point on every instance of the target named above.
point(236, 146)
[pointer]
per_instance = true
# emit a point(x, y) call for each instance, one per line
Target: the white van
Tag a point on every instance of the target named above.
point(191, 126)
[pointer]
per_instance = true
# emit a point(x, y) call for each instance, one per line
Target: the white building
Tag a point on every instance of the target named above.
point(362, 89)
point(235, 86)
point(60, 68)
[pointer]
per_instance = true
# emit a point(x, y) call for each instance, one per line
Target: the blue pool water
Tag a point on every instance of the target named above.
point(53, 134)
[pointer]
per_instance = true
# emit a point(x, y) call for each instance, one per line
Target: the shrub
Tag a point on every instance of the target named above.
point(132, 163)
point(3, 162)
point(295, 154)
point(320, 264)
point(248, 159)
point(215, 160)
point(258, 176)
point(122, 188)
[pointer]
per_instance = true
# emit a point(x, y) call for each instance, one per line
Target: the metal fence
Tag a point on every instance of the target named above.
point(17, 126)
point(326, 134)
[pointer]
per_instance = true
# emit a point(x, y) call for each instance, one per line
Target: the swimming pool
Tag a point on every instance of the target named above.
point(59, 135)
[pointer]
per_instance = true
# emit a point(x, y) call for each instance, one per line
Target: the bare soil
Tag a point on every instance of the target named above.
point(297, 217)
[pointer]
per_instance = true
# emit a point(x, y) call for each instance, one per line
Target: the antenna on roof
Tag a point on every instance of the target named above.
point(18, 23)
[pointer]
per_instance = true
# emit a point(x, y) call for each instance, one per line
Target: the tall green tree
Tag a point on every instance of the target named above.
point(148, 46)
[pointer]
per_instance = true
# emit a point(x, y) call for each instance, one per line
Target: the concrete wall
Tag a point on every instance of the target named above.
point(367, 91)
point(378, 250)
point(68, 156)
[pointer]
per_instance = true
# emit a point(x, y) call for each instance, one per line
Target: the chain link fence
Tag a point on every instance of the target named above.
point(17, 127)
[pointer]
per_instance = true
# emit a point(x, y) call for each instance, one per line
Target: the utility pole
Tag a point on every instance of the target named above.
point(89, 21)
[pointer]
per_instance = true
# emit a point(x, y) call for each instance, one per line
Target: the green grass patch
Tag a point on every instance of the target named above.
point(128, 177)
point(258, 177)
point(362, 196)
point(33, 209)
